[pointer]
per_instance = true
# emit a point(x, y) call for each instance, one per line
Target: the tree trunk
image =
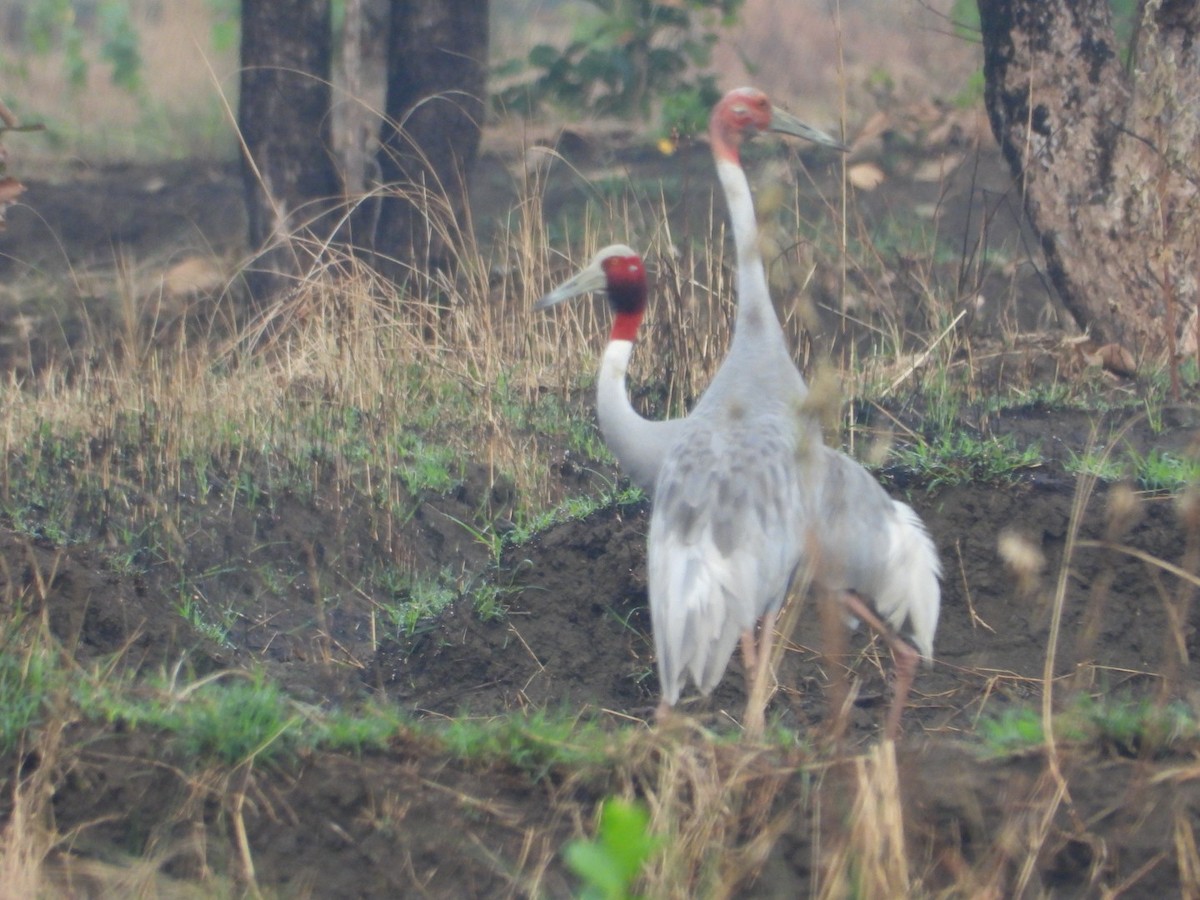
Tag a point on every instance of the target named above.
point(1106, 158)
point(437, 73)
point(283, 113)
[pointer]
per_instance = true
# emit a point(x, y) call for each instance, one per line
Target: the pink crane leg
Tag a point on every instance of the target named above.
point(904, 655)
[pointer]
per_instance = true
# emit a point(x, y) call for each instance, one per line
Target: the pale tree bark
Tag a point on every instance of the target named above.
point(1107, 158)
point(288, 169)
point(436, 83)
point(358, 112)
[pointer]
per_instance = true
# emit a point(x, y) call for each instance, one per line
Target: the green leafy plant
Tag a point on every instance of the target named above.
point(959, 458)
point(611, 863)
point(1014, 731)
point(627, 56)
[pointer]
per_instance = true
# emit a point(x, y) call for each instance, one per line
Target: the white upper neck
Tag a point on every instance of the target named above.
point(755, 312)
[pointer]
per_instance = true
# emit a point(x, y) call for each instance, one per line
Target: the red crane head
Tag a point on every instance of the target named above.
point(744, 112)
point(620, 273)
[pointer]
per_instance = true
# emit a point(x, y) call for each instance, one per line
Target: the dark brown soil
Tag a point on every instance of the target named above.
point(414, 821)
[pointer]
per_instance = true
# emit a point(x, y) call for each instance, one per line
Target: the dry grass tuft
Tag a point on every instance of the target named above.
point(702, 793)
point(867, 853)
point(25, 841)
point(28, 836)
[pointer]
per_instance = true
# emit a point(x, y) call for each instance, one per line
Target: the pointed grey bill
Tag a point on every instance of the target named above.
point(591, 278)
point(786, 123)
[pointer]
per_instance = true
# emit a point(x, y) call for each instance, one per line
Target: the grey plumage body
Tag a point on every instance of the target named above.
point(725, 537)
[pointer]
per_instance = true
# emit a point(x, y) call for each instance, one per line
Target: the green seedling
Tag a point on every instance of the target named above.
point(610, 864)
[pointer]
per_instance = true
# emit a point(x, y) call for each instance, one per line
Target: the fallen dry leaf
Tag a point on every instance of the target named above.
point(866, 176)
point(872, 129)
point(10, 190)
point(936, 170)
point(1109, 357)
point(1117, 359)
point(7, 117)
point(191, 276)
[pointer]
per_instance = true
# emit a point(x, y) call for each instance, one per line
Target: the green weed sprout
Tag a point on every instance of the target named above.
point(1015, 731)
point(611, 863)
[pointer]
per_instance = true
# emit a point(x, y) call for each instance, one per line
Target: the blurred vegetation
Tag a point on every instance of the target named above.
point(628, 58)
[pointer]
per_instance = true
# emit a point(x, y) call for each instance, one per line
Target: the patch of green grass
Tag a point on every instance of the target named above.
point(368, 729)
point(1098, 464)
point(488, 601)
point(1015, 731)
point(1157, 471)
point(415, 598)
point(429, 467)
point(1054, 395)
point(278, 583)
point(1137, 727)
point(228, 720)
point(27, 677)
point(535, 743)
point(1122, 725)
point(232, 721)
point(911, 237)
point(1159, 380)
point(41, 491)
point(487, 535)
point(201, 614)
point(575, 508)
point(225, 721)
point(961, 458)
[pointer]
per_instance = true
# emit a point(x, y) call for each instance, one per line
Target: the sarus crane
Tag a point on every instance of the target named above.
point(873, 552)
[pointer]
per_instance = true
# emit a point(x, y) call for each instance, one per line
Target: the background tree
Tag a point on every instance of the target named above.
point(436, 86)
point(434, 112)
point(283, 114)
point(1105, 154)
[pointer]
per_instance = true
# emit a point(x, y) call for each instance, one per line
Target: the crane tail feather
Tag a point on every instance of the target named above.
point(913, 593)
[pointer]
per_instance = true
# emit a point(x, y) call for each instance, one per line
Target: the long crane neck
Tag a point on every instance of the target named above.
point(639, 444)
point(756, 319)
